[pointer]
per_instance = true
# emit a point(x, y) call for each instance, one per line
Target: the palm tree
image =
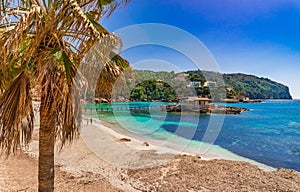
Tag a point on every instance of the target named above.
point(42, 43)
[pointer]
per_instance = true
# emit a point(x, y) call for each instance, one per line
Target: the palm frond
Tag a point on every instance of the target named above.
point(66, 62)
point(63, 94)
point(15, 39)
point(16, 114)
point(111, 6)
point(69, 114)
point(112, 74)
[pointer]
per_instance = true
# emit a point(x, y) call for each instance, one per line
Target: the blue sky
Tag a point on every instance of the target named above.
point(249, 36)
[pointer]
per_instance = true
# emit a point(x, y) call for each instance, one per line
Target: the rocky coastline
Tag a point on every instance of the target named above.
point(208, 109)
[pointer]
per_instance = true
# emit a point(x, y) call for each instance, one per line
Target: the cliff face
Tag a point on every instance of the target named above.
point(257, 88)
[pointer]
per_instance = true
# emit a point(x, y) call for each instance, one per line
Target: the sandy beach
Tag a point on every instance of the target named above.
point(172, 146)
point(104, 159)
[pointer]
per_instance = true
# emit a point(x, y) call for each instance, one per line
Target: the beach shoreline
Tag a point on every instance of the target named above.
point(170, 146)
point(108, 158)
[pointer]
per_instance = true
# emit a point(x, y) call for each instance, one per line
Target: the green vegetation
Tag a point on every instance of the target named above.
point(166, 86)
point(230, 86)
point(257, 88)
point(153, 90)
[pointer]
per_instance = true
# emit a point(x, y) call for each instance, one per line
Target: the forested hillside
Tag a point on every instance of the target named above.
point(234, 84)
point(257, 88)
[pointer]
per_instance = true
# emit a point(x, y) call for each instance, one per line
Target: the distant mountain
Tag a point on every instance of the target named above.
point(235, 84)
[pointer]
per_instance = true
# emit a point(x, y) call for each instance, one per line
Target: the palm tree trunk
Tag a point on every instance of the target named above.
point(46, 146)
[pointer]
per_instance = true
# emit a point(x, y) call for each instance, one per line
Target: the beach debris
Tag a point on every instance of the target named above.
point(124, 140)
point(145, 144)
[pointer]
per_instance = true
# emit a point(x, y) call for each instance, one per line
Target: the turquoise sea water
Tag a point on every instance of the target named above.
point(269, 133)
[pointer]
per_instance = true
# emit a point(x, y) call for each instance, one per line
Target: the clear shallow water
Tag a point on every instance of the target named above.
point(269, 133)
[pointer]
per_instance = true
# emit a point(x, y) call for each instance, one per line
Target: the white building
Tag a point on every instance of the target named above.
point(210, 84)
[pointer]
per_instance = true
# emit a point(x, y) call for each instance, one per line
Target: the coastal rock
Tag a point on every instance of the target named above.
point(217, 109)
point(124, 140)
point(146, 144)
point(173, 108)
point(208, 109)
